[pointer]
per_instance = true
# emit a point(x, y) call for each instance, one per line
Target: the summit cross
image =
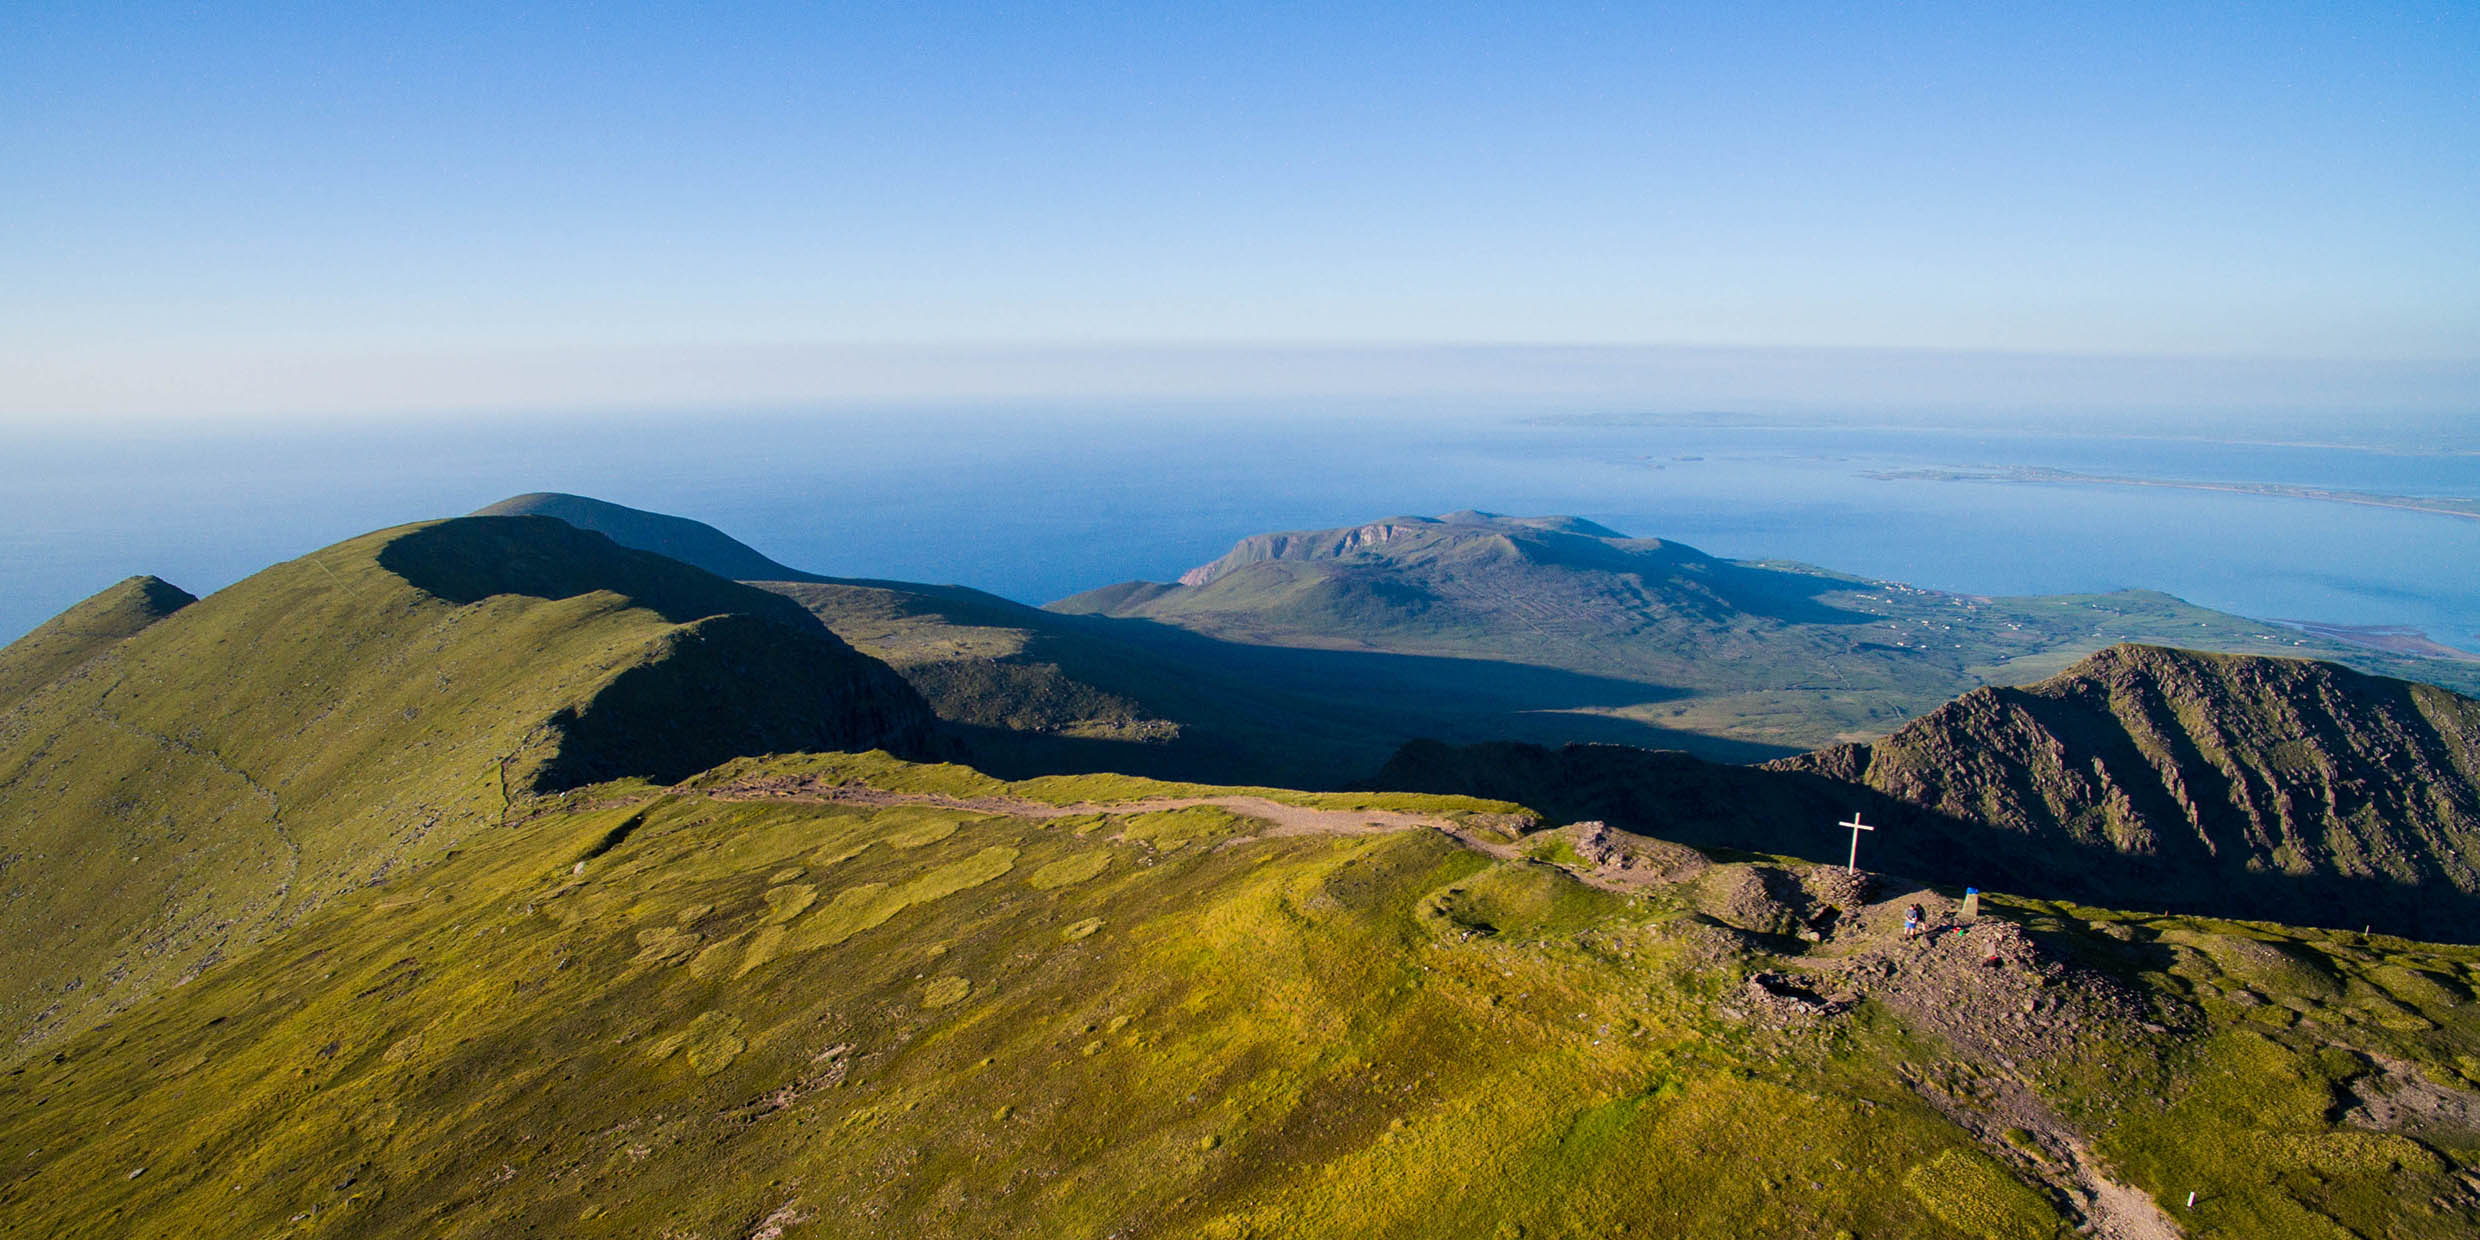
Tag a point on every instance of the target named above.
point(1853, 866)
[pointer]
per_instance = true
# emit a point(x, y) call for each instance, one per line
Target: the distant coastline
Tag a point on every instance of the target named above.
point(2468, 509)
point(1730, 421)
point(2390, 638)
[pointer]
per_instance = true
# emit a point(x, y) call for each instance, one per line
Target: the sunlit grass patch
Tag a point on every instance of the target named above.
point(1070, 870)
point(1977, 1198)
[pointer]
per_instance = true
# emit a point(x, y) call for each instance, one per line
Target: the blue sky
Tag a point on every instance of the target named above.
point(205, 208)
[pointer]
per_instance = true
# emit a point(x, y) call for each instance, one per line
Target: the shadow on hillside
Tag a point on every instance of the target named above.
point(469, 559)
point(1306, 750)
point(1789, 597)
point(1322, 718)
point(1245, 713)
point(1678, 797)
point(729, 687)
point(1429, 682)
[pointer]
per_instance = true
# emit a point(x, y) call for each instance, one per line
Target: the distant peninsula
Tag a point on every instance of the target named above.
point(2468, 509)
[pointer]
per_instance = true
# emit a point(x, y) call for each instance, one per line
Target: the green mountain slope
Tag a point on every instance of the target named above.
point(691, 542)
point(826, 997)
point(84, 631)
point(1765, 652)
point(332, 720)
point(2229, 784)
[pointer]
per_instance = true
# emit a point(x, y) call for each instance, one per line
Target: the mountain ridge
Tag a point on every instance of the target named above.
point(2291, 764)
point(689, 541)
point(848, 994)
point(209, 779)
point(2229, 785)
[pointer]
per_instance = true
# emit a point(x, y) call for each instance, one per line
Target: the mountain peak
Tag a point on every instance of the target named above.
point(91, 627)
point(690, 542)
point(1401, 536)
point(2209, 768)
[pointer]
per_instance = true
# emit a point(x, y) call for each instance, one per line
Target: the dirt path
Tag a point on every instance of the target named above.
point(1283, 818)
point(1998, 1021)
point(2106, 1208)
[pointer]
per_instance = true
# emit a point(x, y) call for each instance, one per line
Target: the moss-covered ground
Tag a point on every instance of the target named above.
point(659, 1011)
point(855, 1022)
point(2259, 1105)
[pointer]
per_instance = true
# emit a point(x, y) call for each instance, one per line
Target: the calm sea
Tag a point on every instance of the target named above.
point(1038, 503)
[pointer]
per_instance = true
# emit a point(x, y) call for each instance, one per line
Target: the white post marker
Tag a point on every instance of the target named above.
point(1853, 866)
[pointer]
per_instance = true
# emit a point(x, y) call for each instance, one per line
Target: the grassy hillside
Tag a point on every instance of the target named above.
point(2227, 784)
point(333, 720)
point(1764, 652)
point(845, 996)
point(84, 631)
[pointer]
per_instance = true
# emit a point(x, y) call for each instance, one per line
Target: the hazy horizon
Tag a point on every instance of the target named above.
point(238, 390)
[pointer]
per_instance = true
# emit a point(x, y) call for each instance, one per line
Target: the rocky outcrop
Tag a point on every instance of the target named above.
point(2143, 777)
point(2198, 761)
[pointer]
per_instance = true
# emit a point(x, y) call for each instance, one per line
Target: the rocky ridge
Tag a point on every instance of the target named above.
point(2234, 785)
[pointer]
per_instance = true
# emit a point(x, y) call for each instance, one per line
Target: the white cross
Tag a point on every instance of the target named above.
point(1853, 866)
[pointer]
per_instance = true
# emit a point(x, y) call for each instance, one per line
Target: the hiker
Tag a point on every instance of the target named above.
point(1915, 921)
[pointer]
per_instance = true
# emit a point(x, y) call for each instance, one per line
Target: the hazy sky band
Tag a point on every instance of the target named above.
point(67, 393)
point(282, 185)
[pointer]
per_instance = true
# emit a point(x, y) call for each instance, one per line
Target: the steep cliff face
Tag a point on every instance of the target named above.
point(2213, 761)
point(2236, 785)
